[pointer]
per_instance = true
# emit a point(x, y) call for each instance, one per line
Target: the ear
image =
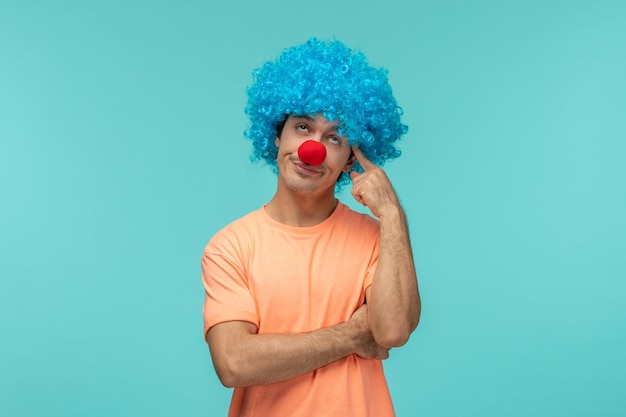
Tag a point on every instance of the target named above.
point(350, 163)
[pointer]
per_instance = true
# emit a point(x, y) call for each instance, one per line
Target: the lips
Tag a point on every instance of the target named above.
point(305, 168)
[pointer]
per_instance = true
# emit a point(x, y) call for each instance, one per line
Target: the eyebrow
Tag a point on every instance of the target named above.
point(304, 116)
point(311, 119)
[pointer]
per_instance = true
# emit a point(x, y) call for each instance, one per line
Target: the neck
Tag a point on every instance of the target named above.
point(300, 210)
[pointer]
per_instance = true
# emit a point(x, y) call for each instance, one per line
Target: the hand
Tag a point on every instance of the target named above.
point(372, 187)
point(366, 347)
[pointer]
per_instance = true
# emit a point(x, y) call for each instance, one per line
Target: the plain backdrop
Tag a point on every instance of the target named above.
point(122, 153)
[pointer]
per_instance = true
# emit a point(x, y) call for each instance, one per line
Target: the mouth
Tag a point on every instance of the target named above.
point(305, 169)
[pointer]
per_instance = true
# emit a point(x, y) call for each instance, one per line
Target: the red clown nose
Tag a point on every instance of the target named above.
point(312, 152)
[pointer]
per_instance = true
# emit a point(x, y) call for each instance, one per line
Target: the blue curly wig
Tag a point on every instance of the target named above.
point(330, 79)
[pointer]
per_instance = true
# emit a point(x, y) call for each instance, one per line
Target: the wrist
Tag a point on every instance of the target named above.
point(391, 211)
point(356, 331)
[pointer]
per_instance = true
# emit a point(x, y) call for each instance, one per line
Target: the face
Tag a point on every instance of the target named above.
point(304, 178)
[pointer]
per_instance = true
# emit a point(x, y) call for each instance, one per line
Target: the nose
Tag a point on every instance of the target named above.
point(312, 152)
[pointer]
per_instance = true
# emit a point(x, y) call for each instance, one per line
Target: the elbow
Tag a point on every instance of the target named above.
point(396, 335)
point(227, 380)
point(226, 377)
point(229, 347)
point(229, 373)
point(392, 338)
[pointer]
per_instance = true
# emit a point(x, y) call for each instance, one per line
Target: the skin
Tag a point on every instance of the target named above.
point(305, 197)
point(393, 298)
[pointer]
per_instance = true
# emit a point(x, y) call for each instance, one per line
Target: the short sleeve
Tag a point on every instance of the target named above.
point(227, 293)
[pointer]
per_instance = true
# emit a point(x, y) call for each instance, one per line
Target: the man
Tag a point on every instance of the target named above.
point(305, 297)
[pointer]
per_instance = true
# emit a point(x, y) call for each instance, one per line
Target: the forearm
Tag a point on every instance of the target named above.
point(393, 301)
point(257, 359)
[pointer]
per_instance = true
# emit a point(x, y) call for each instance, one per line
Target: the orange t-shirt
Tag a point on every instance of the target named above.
point(287, 279)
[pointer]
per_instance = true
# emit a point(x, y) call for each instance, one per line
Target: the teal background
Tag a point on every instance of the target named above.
point(121, 153)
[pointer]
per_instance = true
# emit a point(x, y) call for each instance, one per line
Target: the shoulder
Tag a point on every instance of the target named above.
point(358, 222)
point(236, 234)
point(353, 216)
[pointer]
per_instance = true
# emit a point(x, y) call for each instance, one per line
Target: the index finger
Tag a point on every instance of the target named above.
point(365, 163)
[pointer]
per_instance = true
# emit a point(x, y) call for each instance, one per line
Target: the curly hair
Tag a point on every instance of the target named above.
point(330, 79)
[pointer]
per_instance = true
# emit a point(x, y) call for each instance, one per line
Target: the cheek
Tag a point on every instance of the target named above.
point(338, 159)
point(287, 145)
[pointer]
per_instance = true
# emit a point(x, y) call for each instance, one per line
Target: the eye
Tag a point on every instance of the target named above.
point(302, 128)
point(335, 140)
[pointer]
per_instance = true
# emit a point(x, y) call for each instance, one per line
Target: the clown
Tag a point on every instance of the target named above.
point(305, 297)
point(331, 80)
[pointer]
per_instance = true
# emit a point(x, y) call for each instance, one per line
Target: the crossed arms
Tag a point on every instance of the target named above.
point(242, 357)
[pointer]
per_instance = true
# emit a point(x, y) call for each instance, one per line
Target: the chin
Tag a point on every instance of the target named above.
point(306, 186)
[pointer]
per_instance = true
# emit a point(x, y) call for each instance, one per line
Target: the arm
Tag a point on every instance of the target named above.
point(242, 358)
point(393, 298)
